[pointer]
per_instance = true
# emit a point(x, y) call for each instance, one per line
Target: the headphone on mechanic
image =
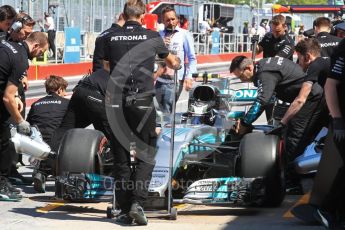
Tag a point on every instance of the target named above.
point(19, 23)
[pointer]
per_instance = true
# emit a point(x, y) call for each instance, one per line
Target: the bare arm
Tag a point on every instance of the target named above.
point(259, 49)
point(173, 61)
point(297, 104)
point(10, 102)
point(331, 93)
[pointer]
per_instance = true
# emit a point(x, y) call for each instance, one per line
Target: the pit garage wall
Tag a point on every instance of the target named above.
point(41, 72)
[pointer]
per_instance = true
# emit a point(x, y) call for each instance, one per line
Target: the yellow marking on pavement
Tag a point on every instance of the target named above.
point(50, 207)
point(303, 200)
point(180, 206)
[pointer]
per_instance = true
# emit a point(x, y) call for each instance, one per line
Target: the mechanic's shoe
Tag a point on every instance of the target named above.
point(17, 179)
point(325, 218)
point(11, 188)
point(137, 213)
point(124, 218)
point(7, 195)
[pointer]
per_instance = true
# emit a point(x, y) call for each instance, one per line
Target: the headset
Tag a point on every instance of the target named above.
point(19, 23)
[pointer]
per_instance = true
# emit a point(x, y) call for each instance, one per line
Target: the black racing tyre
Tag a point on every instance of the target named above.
point(78, 153)
point(261, 157)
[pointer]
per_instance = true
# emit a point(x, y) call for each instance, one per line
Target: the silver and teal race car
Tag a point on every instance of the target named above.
point(212, 165)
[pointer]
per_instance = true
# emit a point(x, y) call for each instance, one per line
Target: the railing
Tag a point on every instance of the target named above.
point(228, 43)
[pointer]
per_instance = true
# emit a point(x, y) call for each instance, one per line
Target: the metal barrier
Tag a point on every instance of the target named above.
point(228, 43)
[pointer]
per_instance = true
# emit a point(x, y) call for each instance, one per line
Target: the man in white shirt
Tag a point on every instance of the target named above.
point(49, 26)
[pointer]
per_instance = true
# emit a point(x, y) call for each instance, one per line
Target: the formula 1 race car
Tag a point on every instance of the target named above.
point(211, 165)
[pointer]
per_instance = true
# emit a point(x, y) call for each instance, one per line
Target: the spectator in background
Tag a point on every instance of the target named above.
point(49, 25)
point(253, 30)
point(183, 22)
point(245, 32)
point(204, 29)
point(262, 29)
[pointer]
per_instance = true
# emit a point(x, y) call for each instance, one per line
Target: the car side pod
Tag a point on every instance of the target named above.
point(309, 160)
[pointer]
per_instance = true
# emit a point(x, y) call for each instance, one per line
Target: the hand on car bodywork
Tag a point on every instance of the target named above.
point(279, 130)
point(241, 129)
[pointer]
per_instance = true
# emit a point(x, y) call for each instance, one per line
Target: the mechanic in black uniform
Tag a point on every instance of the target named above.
point(7, 15)
point(98, 61)
point(285, 78)
point(86, 107)
point(48, 112)
point(329, 187)
point(327, 41)
point(277, 42)
point(21, 28)
point(13, 66)
point(317, 69)
point(131, 112)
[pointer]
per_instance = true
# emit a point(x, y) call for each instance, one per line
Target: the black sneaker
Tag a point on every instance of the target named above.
point(7, 195)
point(137, 213)
point(124, 218)
point(11, 188)
point(325, 218)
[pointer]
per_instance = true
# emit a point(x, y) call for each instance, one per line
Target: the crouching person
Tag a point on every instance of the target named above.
point(283, 78)
point(86, 107)
point(47, 114)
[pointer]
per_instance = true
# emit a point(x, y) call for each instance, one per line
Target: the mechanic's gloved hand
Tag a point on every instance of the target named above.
point(279, 130)
point(338, 131)
point(24, 128)
point(255, 38)
point(242, 128)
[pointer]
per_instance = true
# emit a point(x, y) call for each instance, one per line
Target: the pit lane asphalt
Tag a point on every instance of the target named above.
point(42, 211)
